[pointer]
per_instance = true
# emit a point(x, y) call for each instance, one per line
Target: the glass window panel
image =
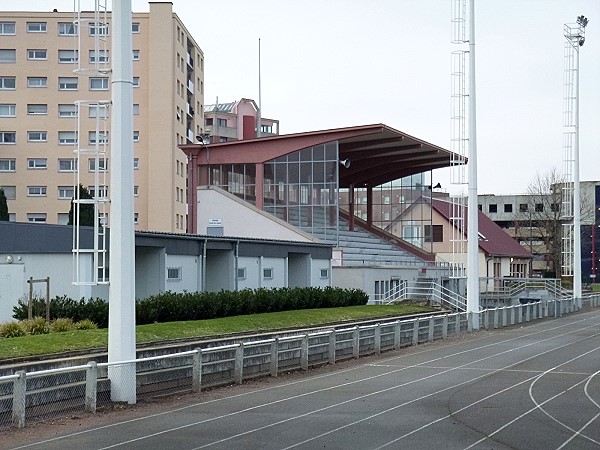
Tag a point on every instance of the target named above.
point(306, 154)
point(293, 173)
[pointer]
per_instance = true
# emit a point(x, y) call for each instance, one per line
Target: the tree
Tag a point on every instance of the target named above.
point(541, 219)
point(85, 209)
point(3, 206)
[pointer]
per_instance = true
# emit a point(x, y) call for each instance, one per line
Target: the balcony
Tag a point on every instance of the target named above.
point(190, 135)
point(190, 61)
point(189, 110)
point(190, 86)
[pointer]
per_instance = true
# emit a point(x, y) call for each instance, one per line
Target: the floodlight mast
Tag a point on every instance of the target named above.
point(121, 314)
point(473, 211)
point(575, 36)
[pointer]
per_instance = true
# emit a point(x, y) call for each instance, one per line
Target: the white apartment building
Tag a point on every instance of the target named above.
point(40, 127)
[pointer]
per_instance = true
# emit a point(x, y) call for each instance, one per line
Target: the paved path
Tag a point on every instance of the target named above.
point(530, 387)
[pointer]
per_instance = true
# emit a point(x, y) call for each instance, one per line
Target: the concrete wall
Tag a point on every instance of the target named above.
point(219, 270)
point(149, 271)
point(241, 219)
point(190, 270)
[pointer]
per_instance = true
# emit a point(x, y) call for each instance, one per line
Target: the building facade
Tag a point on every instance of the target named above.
point(535, 221)
point(41, 124)
point(235, 121)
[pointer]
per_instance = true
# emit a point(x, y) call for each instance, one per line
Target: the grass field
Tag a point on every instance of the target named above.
point(97, 339)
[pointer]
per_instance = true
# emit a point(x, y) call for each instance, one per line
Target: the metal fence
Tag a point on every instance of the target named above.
point(76, 390)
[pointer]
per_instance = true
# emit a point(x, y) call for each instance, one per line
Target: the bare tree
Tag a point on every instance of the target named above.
point(541, 219)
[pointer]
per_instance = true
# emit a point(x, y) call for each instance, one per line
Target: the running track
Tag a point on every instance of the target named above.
point(530, 387)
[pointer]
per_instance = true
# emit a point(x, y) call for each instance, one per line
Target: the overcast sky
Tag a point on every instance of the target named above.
point(338, 63)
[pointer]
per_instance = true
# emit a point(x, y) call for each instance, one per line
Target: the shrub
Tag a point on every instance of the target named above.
point(11, 329)
point(85, 324)
point(62, 325)
point(37, 325)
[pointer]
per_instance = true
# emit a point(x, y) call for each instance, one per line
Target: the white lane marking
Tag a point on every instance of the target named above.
point(158, 433)
point(428, 395)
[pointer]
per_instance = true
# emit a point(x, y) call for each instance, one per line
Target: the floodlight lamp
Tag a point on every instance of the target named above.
point(582, 21)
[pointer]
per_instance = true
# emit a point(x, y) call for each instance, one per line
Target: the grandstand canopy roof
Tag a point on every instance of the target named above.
point(378, 153)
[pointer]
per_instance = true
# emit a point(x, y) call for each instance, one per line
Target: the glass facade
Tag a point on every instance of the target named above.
point(397, 207)
point(301, 188)
point(238, 179)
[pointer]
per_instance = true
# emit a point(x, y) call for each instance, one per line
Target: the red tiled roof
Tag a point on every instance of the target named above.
point(493, 240)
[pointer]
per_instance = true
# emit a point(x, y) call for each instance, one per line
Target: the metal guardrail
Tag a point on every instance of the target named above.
point(73, 390)
point(426, 290)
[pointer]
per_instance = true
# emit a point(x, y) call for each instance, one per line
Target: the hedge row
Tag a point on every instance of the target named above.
point(171, 306)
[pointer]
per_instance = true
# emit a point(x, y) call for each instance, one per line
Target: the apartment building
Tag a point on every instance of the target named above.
point(41, 124)
point(236, 121)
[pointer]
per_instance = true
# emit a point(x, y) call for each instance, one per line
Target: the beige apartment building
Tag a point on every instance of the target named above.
point(41, 125)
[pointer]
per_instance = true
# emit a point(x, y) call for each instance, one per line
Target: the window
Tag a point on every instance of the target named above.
point(100, 56)
point(67, 165)
point(268, 273)
point(135, 27)
point(241, 273)
point(173, 273)
point(10, 192)
point(37, 109)
point(434, 233)
point(98, 111)
point(101, 137)
point(136, 191)
point(136, 109)
point(480, 207)
point(36, 217)
point(67, 137)
point(37, 163)
point(67, 110)
point(412, 234)
point(37, 136)
point(102, 164)
point(136, 136)
point(67, 84)
point(7, 165)
point(221, 122)
point(324, 273)
point(8, 28)
point(8, 137)
point(554, 207)
point(136, 163)
point(539, 207)
point(36, 27)
point(136, 55)
point(8, 110)
point(523, 207)
point(67, 29)
point(136, 218)
point(66, 192)
point(99, 84)
point(8, 82)
point(68, 56)
point(136, 82)
point(508, 208)
point(493, 208)
point(33, 54)
point(99, 29)
point(37, 82)
point(102, 191)
point(8, 55)
point(36, 191)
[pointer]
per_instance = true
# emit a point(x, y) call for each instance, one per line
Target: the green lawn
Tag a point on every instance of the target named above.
point(97, 339)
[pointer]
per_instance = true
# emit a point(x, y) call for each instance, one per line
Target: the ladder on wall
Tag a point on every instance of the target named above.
point(92, 157)
point(459, 141)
